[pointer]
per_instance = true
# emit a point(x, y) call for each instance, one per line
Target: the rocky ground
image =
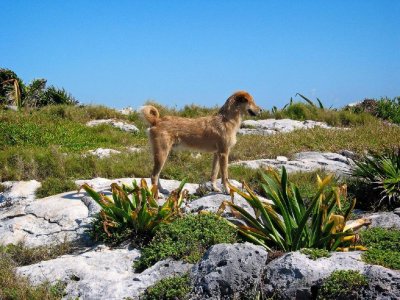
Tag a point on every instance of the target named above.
point(226, 271)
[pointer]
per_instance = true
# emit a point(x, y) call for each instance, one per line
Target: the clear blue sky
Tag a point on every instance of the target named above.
point(121, 53)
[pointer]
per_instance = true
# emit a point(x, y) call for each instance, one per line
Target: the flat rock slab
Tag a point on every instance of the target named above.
point(295, 276)
point(101, 273)
point(15, 191)
point(273, 126)
point(124, 126)
point(51, 220)
point(305, 162)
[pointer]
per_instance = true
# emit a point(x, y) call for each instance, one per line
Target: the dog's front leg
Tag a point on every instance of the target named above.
point(223, 164)
point(214, 173)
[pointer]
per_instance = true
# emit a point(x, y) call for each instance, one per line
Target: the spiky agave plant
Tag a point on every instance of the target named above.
point(136, 207)
point(382, 173)
point(288, 224)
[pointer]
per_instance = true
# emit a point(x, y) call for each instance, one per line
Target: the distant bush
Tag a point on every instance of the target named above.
point(186, 239)
point(383, 108)
point(36, 94)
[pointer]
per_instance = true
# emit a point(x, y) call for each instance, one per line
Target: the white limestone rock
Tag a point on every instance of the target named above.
point(15, 191)
point(101, 273)
point(124, 126)
point(305, 162)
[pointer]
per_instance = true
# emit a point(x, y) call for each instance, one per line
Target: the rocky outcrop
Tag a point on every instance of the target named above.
point(273, 126)
point(102, 273)
point(16, 191)
point(384, 219)
point(295, 276)
point(54, 219)
point(305, 162)
point(229, 272)
point(124, 126)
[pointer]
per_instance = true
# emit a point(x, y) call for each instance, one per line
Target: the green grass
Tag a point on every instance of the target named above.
point(343, 284)
point(171, 288)
point(47, 145)
point(186, 239)
point(383, 247)
point(302, 111)
point(23, 255)
point(314, 254)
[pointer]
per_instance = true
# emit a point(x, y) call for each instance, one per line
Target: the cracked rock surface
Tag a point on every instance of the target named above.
point(101, 273)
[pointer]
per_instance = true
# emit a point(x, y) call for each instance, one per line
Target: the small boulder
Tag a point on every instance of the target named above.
point(229, 271)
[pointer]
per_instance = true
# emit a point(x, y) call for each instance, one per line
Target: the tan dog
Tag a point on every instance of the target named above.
point(215, 134)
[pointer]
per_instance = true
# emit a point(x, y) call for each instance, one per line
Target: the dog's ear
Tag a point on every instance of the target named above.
point(241, 99)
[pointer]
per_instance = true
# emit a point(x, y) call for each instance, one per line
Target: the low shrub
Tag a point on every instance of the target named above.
point(186, 239)
point(135, 209)
point(53, 185)
point(380, 177)
point(343, 284)
point(383, 247)
point(389, 109)
point(314, 254)
point(171, 288)
point(289, 224)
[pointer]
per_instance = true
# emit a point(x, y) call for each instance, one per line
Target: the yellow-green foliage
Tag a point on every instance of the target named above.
point(289, 224)
point(136, 207)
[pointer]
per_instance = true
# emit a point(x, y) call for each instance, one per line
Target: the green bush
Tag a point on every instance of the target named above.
point(186, 239)
point(383, 247)
point(343, 284)
point(135, 208)
point(289, 224)
point(389, 109)
point(314, 254)
point(171, 288)
point(54, 185)
point(380, 175)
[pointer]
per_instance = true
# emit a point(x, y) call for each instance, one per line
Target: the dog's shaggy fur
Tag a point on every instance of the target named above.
point(215, 134)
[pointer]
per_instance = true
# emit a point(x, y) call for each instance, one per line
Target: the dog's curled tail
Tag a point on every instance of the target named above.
point(151, 114)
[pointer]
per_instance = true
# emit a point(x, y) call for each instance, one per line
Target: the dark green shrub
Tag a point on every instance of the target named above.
point(389, 109)
point(380, 174)
point(186, 239)
point(172, 288)
point(343, 284)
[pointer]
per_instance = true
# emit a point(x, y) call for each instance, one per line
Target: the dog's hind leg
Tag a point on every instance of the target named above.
point(160, 156)
point(223, 164)
point(214, 173)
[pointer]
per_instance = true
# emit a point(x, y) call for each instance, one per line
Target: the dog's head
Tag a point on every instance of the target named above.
point(245, 103)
